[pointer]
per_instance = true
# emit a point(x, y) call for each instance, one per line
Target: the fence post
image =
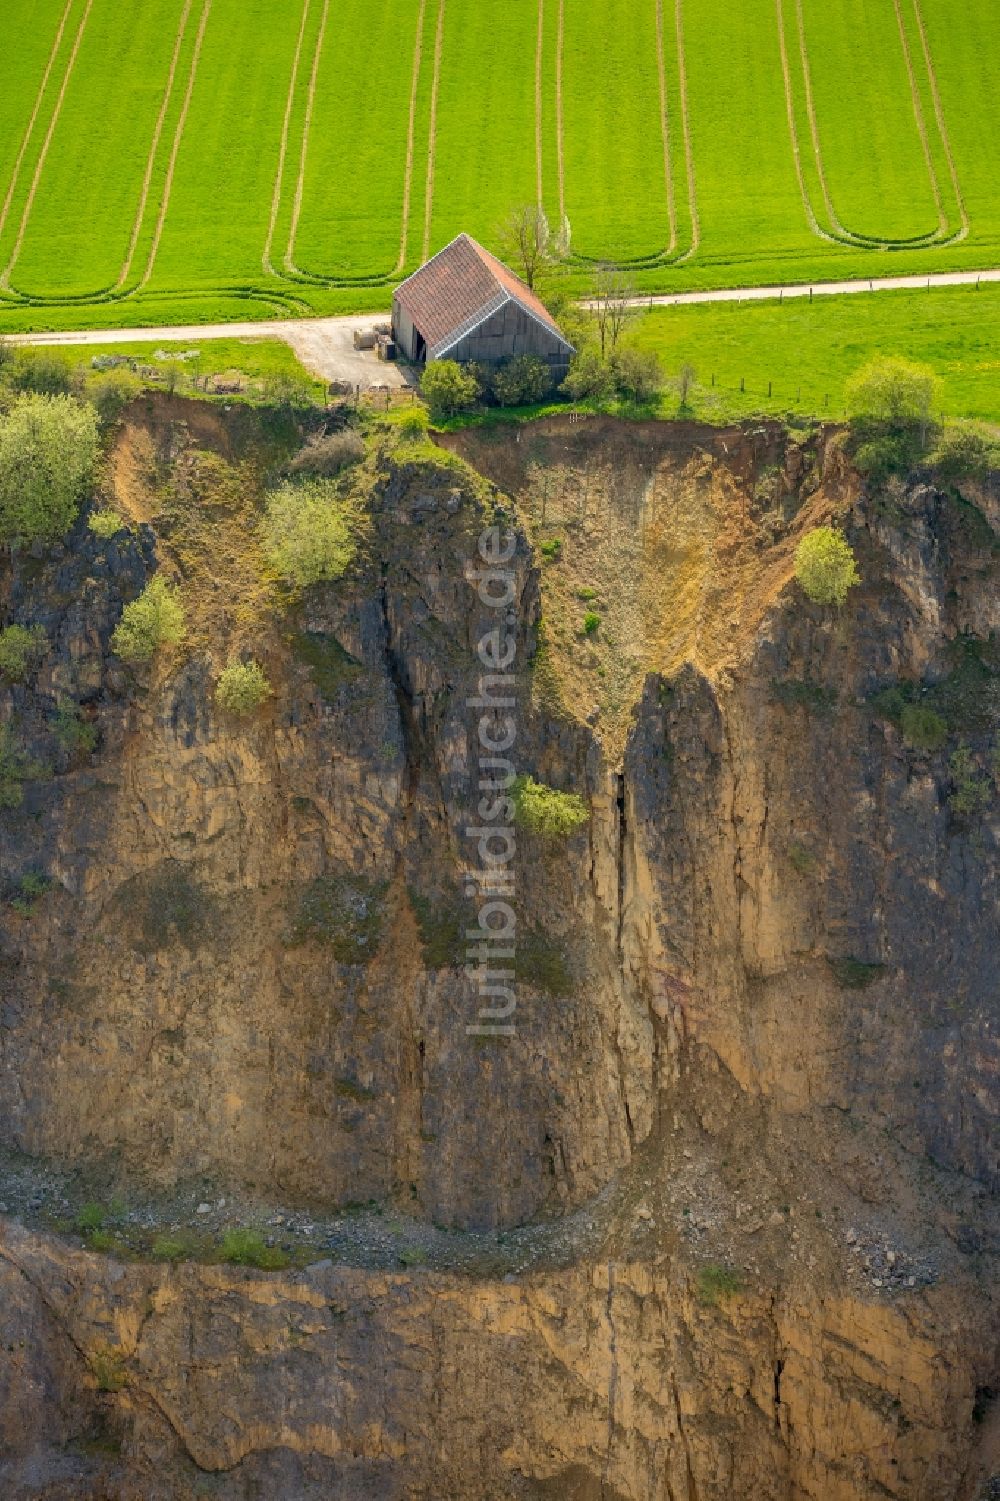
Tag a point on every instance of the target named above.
point(742, 378)
point(769, 388)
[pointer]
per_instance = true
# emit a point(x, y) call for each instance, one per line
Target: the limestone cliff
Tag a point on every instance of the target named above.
point(747, 1120)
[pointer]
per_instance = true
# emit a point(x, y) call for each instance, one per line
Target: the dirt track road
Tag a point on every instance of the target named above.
point(325, 345)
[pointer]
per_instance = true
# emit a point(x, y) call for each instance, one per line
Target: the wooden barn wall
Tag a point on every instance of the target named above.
point(508, 332)
point(405, 333)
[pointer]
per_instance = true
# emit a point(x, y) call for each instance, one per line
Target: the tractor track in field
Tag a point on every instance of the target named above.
point(539, 47)
point(560, 140)
point(30, 129)
point(279, 178)
point(668, 173)
point(40, 164)
point(686, 132)
point(939, 116)
point(432, 137)
point(300, 180)
point(918, 115)
point(793, 131)
point(411, 130)
point(168, 181)
point(154, 148)
point(837, 231)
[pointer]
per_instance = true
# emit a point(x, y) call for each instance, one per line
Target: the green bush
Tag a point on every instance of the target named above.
point(825, 566)
point(168, 1248)
point(310, 532)
point(543, 810)
point(966, 450)
point(922, 728)
point(15, 768)
point(76, 735)
point(892, 392)
point(242, 687)
point(521, 381)
point(591, 623)
point(22, 648)
point(715, 1282)
point(153, 620)
point(40, 373)
point(447, 388)
point(30, 889)
point(551, 549)
point(105, 523)
point(289, 392)
point(91, 1217)
point(638, 374)
point(590, 378)
point(890, 453)
point(48, 448)
point(112, 392)
point(412, 426)
point(247, 1248)
point(970, 793)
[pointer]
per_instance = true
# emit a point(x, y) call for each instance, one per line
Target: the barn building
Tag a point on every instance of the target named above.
point(464, 304)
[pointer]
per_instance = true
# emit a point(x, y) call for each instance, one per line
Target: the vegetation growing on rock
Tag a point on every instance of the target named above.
point(242, 687)
point(825, 566)
point(22, 647)
point(105, 523)
point(48, 448)
point(153, 620)
point(545, 811)
point(310, 532)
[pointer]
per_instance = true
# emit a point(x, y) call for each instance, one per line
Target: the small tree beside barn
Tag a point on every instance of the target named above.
point(467, 306)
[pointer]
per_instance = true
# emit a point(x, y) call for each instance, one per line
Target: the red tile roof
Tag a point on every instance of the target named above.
point(458, 288)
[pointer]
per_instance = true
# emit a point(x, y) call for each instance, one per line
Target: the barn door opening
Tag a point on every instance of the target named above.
point(419, 348)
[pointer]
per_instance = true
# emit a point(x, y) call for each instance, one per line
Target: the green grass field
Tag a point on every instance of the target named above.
point(208, 159)
point(796, 357)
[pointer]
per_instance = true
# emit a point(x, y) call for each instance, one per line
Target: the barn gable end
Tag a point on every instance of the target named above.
point(466, 305)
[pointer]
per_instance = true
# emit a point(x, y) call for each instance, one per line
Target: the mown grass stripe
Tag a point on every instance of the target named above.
point(432, 132)
point(351, 217)
point(279, 176)
point(737, 116)
point(10, 100)
point(940, 145)
point(692, 192)
point(300, 179)
point(918, 114)
point(616, 199)
point(668, 175)
point(411, 129)
point(53, 122)
point(867, 136)
point(175, 148)
point(965, 63)
point(154, 148)
point(223, 179)
point(793, 128)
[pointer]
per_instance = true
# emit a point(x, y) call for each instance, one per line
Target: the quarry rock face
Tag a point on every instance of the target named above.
point(715, 1220)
